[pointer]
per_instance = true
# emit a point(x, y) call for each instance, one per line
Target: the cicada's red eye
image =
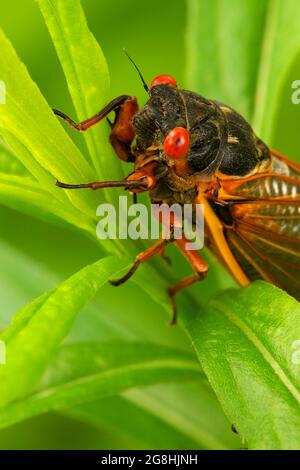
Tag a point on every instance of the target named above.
point(163, 80)
point(177, 143)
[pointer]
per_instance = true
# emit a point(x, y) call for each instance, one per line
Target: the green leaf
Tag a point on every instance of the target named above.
point(147, 430)
point(280, 48)
point(9, 164)
point(87, 77)
point(163, 416)
point(223, 47)
point(190, 408)
point(33, 167)
point(41, 326)
point(88, 82)
point(25, 195)
point(83, 372)
point(242, 54)
point(118, 317)
point(30, 128)
point(246, 344)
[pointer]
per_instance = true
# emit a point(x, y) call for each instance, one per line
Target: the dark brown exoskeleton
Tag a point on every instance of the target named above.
point(189, 149)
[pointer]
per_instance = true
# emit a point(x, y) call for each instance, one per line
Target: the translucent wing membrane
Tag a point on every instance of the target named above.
point(265, 235)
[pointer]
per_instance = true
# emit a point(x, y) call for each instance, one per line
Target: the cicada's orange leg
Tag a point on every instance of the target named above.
point(200, 267)
point(157, 248)
point(218, 238)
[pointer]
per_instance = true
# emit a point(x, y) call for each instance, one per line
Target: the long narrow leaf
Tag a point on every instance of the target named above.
point(223, 44)
point(87, 77)
point(147, 430)
point(84, 372)
point(280, 48)
point(29, 120)
point(9, 164)
point(31, 344)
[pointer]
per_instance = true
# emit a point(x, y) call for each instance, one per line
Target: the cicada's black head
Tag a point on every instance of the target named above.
point(180, 125)
point(163, 112)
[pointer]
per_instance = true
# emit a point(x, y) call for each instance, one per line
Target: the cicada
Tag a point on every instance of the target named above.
point(189, 149)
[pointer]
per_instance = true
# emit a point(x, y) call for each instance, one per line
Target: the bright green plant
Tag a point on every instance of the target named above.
point(242, 342)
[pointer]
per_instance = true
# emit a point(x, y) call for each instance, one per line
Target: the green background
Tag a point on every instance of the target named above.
point(36, 256)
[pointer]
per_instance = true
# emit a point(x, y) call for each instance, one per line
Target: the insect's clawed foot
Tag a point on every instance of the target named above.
point(121, 280)
point(67, 186)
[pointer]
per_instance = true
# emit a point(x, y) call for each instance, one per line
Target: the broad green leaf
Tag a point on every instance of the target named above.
point(223, 47)
point(280, 48)
point(85, 371)
point(87, 77)
point(32, 339)
point(248, 345)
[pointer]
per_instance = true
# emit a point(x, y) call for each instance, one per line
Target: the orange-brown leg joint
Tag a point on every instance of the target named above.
point(192, 256)
point(122, 133)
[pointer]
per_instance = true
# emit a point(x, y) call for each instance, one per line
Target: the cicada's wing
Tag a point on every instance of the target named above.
point(265, 234)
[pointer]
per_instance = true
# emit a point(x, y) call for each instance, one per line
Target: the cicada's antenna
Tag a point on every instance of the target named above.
point(138, 71)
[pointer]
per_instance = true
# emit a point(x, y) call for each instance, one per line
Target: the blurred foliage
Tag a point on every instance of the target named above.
point(36, 255)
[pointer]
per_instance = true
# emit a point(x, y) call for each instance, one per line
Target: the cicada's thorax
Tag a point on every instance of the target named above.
point(222, 144)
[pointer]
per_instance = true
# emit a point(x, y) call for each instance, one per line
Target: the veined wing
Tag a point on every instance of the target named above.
point(265, 233)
